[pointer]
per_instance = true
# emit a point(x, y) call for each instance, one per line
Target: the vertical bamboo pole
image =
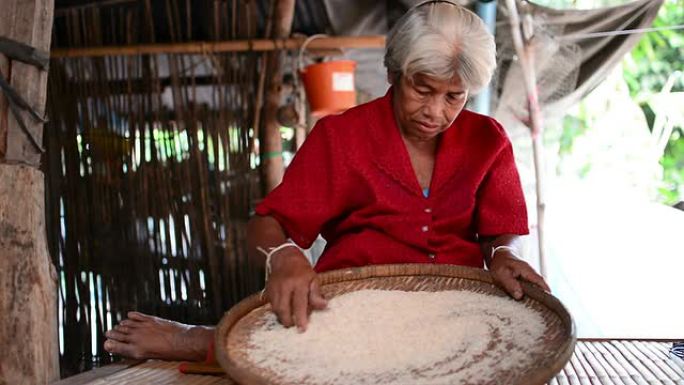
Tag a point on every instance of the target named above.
point(525, 52)
point(271, 144)
point(28, 321)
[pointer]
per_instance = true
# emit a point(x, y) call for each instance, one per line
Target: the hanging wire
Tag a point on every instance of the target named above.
point(619, 32)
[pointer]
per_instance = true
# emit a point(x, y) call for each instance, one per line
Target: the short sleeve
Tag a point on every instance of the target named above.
point(312, 189)
point(500, 205)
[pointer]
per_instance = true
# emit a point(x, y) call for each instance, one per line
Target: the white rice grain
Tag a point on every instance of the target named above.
point(398, 337)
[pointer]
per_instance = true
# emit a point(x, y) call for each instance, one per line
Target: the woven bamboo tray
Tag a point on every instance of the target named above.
point(556, 349)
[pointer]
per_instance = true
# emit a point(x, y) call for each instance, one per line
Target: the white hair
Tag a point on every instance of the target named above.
point(441, 39)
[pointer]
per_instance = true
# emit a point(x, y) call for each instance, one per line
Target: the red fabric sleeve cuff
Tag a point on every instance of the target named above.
point(301, 240)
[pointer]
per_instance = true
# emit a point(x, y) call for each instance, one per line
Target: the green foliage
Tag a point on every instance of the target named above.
point(658, 54)
point(647, 68)
point(673, 170)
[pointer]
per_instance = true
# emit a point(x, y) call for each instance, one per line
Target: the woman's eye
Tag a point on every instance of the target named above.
point(454, 97)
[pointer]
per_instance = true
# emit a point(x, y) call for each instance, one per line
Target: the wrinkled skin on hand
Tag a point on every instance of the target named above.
point(293, 289)
point(508, 271)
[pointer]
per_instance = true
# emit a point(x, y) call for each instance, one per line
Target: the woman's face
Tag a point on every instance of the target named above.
point(424, 107)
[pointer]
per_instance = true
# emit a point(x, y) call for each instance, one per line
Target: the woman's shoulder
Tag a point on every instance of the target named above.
point(481, 130)
point(481, 122)
point(353, 122)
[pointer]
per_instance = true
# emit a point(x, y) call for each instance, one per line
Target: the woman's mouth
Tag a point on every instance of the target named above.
point(428, 126)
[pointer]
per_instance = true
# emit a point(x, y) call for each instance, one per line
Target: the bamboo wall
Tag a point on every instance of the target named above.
point(151, 171)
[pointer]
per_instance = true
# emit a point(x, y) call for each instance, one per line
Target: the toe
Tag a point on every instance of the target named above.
point(129, 323)
point(137, 316)
point(116, 335)
point(122, 349)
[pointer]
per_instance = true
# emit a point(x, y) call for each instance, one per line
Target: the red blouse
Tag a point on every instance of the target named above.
point(352, 181)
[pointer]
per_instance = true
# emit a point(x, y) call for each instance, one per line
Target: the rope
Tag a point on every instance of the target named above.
point(269, 255)
point(16, 104)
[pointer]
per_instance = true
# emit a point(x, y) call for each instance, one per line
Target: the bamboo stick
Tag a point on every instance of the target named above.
point(524, 49)
point(202, 47)
point(272, 147)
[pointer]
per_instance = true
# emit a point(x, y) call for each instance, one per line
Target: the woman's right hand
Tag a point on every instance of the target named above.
point(293, 289)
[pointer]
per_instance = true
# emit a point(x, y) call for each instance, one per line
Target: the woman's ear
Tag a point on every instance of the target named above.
point(393, 78)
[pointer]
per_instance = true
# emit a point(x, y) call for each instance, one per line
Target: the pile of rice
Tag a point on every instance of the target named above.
point(399, 337)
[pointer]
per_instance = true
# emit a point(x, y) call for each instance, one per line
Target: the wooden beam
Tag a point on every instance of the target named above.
point(200, 47)
point(70, 6)
point(271, 150)
point(28, 325)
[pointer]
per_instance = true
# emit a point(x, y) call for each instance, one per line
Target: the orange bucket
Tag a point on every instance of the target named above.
point(329, 86)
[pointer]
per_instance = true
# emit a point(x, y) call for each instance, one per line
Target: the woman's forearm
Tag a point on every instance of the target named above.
point(264, 232)
point(487, 244)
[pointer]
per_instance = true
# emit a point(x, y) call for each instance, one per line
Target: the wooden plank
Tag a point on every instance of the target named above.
point(568, 375)
point(661, 350)
point(28, 22)
point(203, 47)
point(160, 372)
point(589, 365)
point(604, 373)
point(650, 372)
point(582, 376)
point(635, 372)
point(96, 374)
point(621, 372)
point(675, 374)
point(652, 361)
point(587, 372)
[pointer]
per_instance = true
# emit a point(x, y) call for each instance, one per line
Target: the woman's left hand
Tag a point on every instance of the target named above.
point(507, 271)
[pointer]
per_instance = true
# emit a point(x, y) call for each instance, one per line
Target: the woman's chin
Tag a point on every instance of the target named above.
point(422, 133)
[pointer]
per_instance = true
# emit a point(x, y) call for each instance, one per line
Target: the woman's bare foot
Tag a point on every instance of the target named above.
point(143, 336)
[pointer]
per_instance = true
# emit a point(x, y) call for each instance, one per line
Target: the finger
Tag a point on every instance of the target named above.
point(116, 335)
point(316, 299)
point(510, 283)
point(272, 296)
point(532, 276)
point(300, 305)
point(282, 307)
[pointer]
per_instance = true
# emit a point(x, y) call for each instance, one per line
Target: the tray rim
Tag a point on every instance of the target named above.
point(541, 377)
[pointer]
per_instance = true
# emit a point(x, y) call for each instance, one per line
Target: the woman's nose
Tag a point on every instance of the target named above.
point(434, 107)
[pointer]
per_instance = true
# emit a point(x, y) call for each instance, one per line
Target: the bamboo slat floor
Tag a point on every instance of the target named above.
point(605, 362)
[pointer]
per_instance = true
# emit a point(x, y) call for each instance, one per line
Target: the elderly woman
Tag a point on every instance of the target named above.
point(411, 177)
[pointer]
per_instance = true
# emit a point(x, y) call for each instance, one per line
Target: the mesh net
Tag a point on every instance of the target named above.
point(557, 65)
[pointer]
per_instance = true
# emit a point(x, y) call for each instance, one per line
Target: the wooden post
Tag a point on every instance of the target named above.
point(271, 148)
point(28, 317)
point(525, 52)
